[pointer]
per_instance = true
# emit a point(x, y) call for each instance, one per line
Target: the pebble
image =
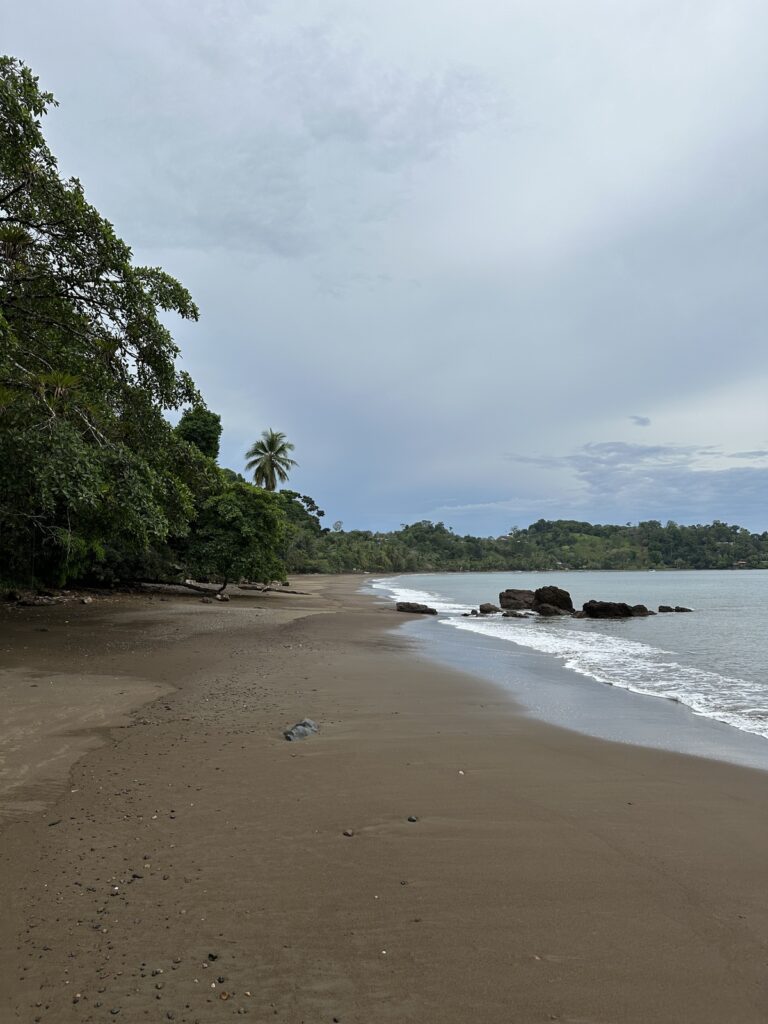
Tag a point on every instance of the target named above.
point(412, 817)
point(348, 832)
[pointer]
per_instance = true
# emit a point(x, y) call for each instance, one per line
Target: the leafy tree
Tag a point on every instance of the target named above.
point(269, 459)
point(202, 428)
point(87, 368)
point(237, 535)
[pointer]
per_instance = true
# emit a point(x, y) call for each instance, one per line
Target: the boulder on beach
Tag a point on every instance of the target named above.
point(516, 600)
point(414, 608)
point(488, 609)
point(555, 597)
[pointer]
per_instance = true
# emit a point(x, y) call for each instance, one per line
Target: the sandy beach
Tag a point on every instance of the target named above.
point(167, 855)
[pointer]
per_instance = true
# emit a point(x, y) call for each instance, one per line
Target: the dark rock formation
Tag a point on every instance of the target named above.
point(514, 614)
point(679, 608)
point(666, 608)
point(640, 609)
point(488, 608)
point(516, 600)
point(414, 608)
point(607, 610)
point(548, 610)
point(553, 596)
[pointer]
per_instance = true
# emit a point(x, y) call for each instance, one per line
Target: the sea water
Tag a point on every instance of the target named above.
point(713, 661)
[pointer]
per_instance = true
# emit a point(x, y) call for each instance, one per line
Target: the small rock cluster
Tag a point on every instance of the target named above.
point(550, 602)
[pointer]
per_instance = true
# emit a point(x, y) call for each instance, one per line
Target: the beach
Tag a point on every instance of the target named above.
point(167, 855)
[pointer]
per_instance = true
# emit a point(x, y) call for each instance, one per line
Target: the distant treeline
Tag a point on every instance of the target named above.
point(562, 544)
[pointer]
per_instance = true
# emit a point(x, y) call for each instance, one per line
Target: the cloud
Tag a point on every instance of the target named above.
point(421, 241)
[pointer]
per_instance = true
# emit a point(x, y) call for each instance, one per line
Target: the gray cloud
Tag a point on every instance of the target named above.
point(419, 241)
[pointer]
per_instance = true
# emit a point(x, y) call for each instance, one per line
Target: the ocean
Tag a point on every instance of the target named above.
point(712, 663)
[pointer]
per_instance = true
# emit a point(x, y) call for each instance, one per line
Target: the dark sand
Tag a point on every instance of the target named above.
point(558, 878)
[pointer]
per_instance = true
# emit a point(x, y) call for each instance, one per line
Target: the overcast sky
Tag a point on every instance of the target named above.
point(484, 262)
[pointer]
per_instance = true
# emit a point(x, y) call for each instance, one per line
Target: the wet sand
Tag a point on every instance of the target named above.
point(548, 876)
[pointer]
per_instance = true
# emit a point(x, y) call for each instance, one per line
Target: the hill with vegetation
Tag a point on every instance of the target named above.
point(562, 544)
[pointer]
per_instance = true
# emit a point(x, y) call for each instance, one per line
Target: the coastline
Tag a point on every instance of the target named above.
point(549, 876)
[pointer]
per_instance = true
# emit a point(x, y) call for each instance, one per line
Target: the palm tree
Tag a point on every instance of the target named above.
point(269, 459)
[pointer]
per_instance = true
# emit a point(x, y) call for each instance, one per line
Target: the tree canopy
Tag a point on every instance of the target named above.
point(94, 481)
point(202, 428)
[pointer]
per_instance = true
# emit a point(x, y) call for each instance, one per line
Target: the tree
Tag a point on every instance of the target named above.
point(237, 535)
point(202, 428)
point(269, 459)
point(88, 462)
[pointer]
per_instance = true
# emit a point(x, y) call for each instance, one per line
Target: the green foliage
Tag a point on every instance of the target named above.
point(92, 477)
point(237, 535)
point(563, 544)
point(269, 459)
point(201, 428)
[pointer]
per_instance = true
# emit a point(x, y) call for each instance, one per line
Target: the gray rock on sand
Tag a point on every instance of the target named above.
point(415, 608)
point(306, 727)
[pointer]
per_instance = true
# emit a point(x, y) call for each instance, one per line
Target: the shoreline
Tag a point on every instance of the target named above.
point(549, 876)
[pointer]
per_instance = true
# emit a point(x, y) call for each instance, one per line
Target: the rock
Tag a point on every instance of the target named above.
point(666, 608)
point(412, 817)
point(206, 600)
point(348, 832)
point(222, 597)
point(488, 609)
point(474, 612)
point(554, 596)
point(306, 727)
point(517, 600)
point(679, 608)
point(414, 608)
point(86, 600)
point(36, 602)
point(608, 610)
point(641, 610)
point(548, 610)
point(511, 614)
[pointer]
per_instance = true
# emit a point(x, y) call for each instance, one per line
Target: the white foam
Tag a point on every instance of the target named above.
point(614, 660)
point(634, 666)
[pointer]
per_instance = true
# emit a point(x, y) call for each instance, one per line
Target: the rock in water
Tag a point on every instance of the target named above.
point(553, 596)
point(516, 600)
point(548, 610)
point(488, 608)
point(301, 730)
point(679, 608)
point(666, 608)
point(414, 608)
point(608, 610)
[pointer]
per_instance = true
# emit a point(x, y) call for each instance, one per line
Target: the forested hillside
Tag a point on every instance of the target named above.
point(563, 544)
